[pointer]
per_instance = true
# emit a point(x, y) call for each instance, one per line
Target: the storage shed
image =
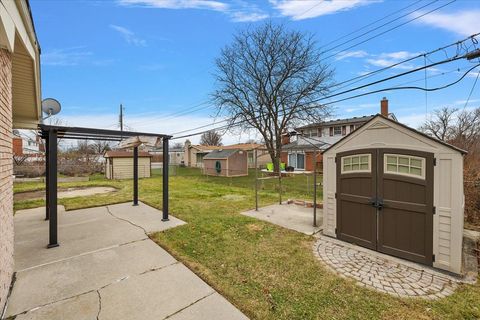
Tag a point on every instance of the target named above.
point(119, 165)
point(226, 163)
point(390, 188)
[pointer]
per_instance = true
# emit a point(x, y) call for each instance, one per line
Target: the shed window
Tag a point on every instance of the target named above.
point(404, 165)
point(356, 163)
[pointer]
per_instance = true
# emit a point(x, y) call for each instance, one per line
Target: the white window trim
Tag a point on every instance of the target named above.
point(358, 170)
point(397, 155)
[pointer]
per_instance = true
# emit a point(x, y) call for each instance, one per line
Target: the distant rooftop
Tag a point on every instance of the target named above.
point(337, 122)
point(125, 154)
point(220, 154)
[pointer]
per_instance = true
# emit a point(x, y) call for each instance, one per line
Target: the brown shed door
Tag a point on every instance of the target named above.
point(385, 201)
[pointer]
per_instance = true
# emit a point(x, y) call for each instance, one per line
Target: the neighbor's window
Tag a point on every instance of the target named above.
point(337, 131)
point(356, 163)
point(296, 160)
point(404, 165)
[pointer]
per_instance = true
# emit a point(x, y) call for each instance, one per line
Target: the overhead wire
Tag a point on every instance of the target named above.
point(347, 91)
point(195, 107)
point(228, 126)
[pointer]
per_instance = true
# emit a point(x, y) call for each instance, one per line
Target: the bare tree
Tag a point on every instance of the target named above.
point(177, 145)
point(100, 146)
point(440, 125)
point(270, 78)
point(211, 138)
point(462, 129)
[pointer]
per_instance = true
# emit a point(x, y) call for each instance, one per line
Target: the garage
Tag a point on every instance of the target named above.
point(392, 189)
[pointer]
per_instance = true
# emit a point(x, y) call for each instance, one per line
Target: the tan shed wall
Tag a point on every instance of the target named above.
point(123, 168)
point(235, 166)
point(448, 185)
point(209, 168)
point(238, 164)
point(6, 176)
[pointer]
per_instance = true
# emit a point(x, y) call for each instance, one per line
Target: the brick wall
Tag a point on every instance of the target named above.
point(6, 178)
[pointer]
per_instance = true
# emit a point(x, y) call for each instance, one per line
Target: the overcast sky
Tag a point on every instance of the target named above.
point(157, 56)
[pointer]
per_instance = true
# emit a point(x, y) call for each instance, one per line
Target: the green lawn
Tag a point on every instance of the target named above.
point(268, 272)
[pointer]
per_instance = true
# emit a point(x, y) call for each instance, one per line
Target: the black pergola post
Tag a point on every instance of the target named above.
point(52, 187)
point(47, 205)
point(165, 180)
point(135, 176)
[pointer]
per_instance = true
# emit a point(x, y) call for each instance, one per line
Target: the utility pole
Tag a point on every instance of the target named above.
point(121, 118)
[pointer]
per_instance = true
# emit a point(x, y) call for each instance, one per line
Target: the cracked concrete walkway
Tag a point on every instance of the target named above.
point(105, 268)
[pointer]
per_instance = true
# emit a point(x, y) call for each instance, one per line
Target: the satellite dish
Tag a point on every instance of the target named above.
point(51, 107)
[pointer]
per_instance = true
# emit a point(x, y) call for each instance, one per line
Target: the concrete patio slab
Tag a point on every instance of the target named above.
point(213, 307)
point(84, 273)
point(173, 288)
point(146, 217)
point(105, 268)
point(290, 216)
point(83, 307)
point(79, 231)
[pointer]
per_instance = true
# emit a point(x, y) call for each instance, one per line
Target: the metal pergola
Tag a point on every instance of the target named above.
point(51, 134)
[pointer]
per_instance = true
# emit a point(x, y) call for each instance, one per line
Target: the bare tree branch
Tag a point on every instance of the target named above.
point(268, 79)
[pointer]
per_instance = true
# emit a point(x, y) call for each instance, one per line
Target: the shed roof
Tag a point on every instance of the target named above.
point(237, 146)
point(403, 126)
point(125, 154)
point(220, 154)
point(320, 145)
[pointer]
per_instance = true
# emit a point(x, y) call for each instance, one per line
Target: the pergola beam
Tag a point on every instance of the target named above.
point(165, 180)
point(51, 134)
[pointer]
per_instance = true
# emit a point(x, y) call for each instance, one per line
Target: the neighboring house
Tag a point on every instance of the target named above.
point(194, 154)
point(226, 163)
point(176, 156)
point(314, 138)
point(20, 102)
point(24, 145)
point(119, 164)
point(395, 190)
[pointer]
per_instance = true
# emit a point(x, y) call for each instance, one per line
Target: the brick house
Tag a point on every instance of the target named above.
point(20, 102)
point(313, 137)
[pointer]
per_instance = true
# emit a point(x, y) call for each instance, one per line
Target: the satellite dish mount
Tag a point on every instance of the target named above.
point(50, 107)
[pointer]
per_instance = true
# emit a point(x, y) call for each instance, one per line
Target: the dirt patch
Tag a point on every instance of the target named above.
point(64, 193)
point(254, 227)
point(233, 197)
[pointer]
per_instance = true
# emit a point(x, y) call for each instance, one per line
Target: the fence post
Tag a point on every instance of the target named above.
point(135, 176)
point(256, 180)
point(315, 188)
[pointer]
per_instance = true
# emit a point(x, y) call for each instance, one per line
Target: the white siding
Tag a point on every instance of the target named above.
point(448, 184)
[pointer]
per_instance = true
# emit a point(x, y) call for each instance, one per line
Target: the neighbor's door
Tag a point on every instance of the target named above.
point(385, 201)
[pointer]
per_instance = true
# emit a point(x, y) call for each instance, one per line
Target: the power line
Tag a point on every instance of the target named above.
point(379, 27)
point(471, 90)
point(348, 98)
point(370, 24)
point(388, 30)
point(195, 107)
point(356, 88)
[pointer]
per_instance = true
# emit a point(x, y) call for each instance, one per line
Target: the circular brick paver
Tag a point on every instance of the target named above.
point(374, 271)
